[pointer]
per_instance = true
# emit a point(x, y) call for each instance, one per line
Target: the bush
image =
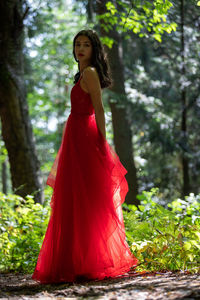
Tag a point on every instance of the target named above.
point(164, 238)
point(161, 238)
point(22, 227)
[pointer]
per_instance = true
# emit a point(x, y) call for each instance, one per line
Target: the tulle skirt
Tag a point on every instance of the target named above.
point(85, 235)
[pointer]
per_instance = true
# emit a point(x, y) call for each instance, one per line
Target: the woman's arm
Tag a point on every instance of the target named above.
point(91, 80)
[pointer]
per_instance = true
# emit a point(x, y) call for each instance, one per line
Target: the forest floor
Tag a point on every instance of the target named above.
point(140, 286)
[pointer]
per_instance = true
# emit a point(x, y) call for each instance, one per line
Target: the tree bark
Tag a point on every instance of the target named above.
point(16, 125)
point(121, 125)
point(90, 10)
point(184, 158)
point(4, 177)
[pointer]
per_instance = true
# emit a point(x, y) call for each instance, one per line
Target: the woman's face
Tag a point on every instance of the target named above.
point(83, 49)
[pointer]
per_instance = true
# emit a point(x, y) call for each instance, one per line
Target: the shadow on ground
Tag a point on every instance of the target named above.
point(128, 286)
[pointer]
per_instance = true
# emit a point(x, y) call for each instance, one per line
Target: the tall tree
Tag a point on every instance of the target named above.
point(166, 86)
point(184, 158)
point(115, 17)
point(16, 125)
point(3, 167)
point(117, 102)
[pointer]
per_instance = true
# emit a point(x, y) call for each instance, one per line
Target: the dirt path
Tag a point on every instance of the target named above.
point(129, 286)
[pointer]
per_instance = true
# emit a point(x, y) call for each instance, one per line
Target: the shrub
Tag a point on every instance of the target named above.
point(22, 227)
point(164, 238)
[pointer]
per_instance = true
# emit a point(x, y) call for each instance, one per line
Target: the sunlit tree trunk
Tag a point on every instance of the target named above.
point(120, 121)
point(16, 125)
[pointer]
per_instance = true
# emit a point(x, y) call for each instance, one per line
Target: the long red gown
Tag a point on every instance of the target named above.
point(85, 234)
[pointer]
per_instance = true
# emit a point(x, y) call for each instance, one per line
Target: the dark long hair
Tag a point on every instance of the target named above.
point(99, 59)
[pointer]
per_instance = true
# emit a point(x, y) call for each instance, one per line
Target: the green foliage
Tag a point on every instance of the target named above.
point(3, 152)
point(161, 238)
point(145, 18)
point(49, 71)
point(165, 238)
point(22, 227)
point(154, 82)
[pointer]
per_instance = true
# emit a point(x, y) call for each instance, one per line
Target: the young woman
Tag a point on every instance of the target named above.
point(85, 237)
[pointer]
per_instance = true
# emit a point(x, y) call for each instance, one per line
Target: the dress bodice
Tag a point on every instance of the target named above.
point(81, 102)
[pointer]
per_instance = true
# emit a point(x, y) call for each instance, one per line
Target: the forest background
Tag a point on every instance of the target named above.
point(152, 112)
point(152, 120)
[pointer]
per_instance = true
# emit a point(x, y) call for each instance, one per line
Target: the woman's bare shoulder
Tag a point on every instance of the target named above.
point(90, 73)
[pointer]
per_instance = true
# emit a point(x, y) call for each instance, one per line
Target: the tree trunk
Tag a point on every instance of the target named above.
point(16, 125)
point(4, 177)
point(121, 124)
point(90, 10)
point(184, 158)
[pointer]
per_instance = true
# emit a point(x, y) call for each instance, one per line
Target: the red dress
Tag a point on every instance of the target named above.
point(85, 235)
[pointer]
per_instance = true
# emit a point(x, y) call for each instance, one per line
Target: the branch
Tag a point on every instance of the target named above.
point(25, 13)
point(128, 15)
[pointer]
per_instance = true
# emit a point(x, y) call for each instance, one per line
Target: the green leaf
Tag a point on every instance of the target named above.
point(197, 233)
point(187, 245)
point(157, 37)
